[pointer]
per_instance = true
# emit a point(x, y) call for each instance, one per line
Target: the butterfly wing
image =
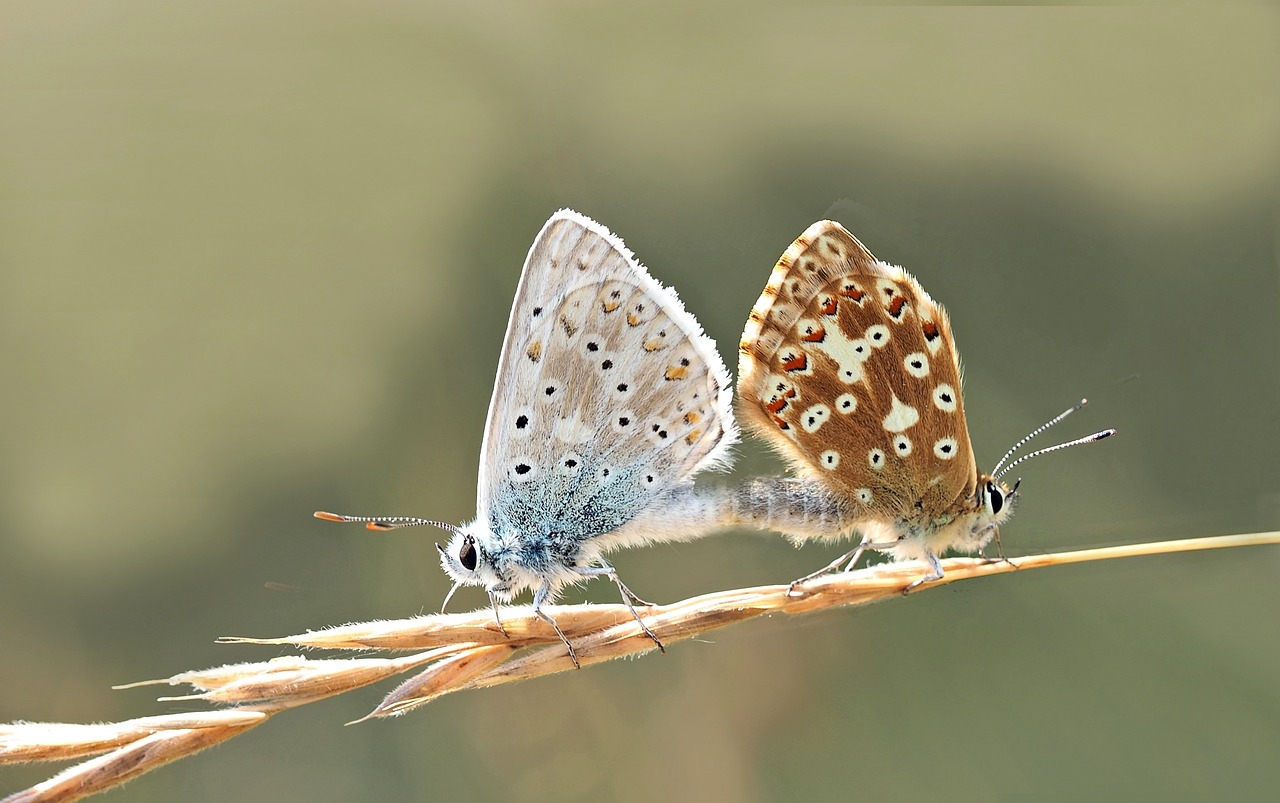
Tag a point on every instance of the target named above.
point(608, 393)
point(848, 368)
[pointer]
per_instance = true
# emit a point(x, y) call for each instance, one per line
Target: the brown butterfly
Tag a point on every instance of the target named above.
point(849, 369)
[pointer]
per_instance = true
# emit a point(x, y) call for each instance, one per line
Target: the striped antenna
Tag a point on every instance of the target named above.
point(996, 471)
point(384, 523)
point(1097, 436)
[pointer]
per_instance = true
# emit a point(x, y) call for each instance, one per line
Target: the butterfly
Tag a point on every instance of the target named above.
point(609, 398)
point(849, 369)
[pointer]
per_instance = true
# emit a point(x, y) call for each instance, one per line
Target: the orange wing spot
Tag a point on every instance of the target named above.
point(930, 330)
point(535, 351)
point(770, 290)
point(692, 418)
point(609, 306)
point(852, 291)
point(896, 305)
point(692, 437)
point(633, 319)
point(796, 363)
point(815, 335)
point(779, 403)
point(829, 306)
point(676, 372)
point(652, 345)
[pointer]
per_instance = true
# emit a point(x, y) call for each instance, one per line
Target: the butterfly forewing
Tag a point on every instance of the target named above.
point(607, 394)
point(848, 367)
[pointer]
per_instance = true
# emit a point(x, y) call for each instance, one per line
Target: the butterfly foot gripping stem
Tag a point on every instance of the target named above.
point(493, 601)
point(934, 574)
point(1000, 557)
point(543, 592)
point(629, 597)
point(848, 560)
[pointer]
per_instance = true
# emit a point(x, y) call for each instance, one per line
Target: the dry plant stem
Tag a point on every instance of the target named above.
point(126, 763)
point(462, 651)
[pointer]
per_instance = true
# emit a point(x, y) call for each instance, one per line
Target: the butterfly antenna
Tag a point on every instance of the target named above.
point(1097, 436)
point(384, 523)
point(996, 471)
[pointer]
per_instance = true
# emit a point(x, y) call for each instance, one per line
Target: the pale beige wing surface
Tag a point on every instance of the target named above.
point(848, 368)
point(607, 392)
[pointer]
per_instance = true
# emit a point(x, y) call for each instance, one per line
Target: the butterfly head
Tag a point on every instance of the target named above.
point(996, 501)
point(469, 563)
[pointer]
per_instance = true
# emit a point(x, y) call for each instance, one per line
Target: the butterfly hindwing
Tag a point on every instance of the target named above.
point(848, 367)
point(607, 394)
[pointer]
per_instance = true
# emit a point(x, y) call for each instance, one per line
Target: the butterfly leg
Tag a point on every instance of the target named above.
point(848, 560)
point(540, 596)
point(497, 617)
point(935, 574)
point(627, 596)
point(999, 549)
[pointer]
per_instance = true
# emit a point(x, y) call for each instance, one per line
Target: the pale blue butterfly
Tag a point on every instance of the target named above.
point(609, 398)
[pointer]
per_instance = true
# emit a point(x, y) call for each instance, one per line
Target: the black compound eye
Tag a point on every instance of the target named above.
point(997, 498)
point(467, 555)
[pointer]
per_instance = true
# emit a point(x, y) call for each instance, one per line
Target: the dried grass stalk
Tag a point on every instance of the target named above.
point(457, 652)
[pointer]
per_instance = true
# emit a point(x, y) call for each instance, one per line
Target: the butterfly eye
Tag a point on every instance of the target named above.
point(997, 498)
point(467, 555)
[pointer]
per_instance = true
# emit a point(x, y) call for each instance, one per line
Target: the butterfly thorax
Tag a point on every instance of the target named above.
point(507, 561)
point(966, 527)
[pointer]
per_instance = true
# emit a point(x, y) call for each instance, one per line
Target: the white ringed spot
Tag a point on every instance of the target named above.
point(623, 421)
point(864, 495)
point(877, 336)
point(875, 459)
point(944, 398)
point(811, 420)
point(902, 445)
point(570, 464)
point(945, 448)
point(917, 364)
point(550, 391)
point(846, 403)
point(522, 423)
point(522, 469)
point(829, 459)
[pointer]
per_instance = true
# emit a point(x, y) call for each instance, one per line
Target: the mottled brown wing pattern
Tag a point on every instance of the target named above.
point(849, 369)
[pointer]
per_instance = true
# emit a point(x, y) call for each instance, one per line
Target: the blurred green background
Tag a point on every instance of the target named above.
point(257, 258)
